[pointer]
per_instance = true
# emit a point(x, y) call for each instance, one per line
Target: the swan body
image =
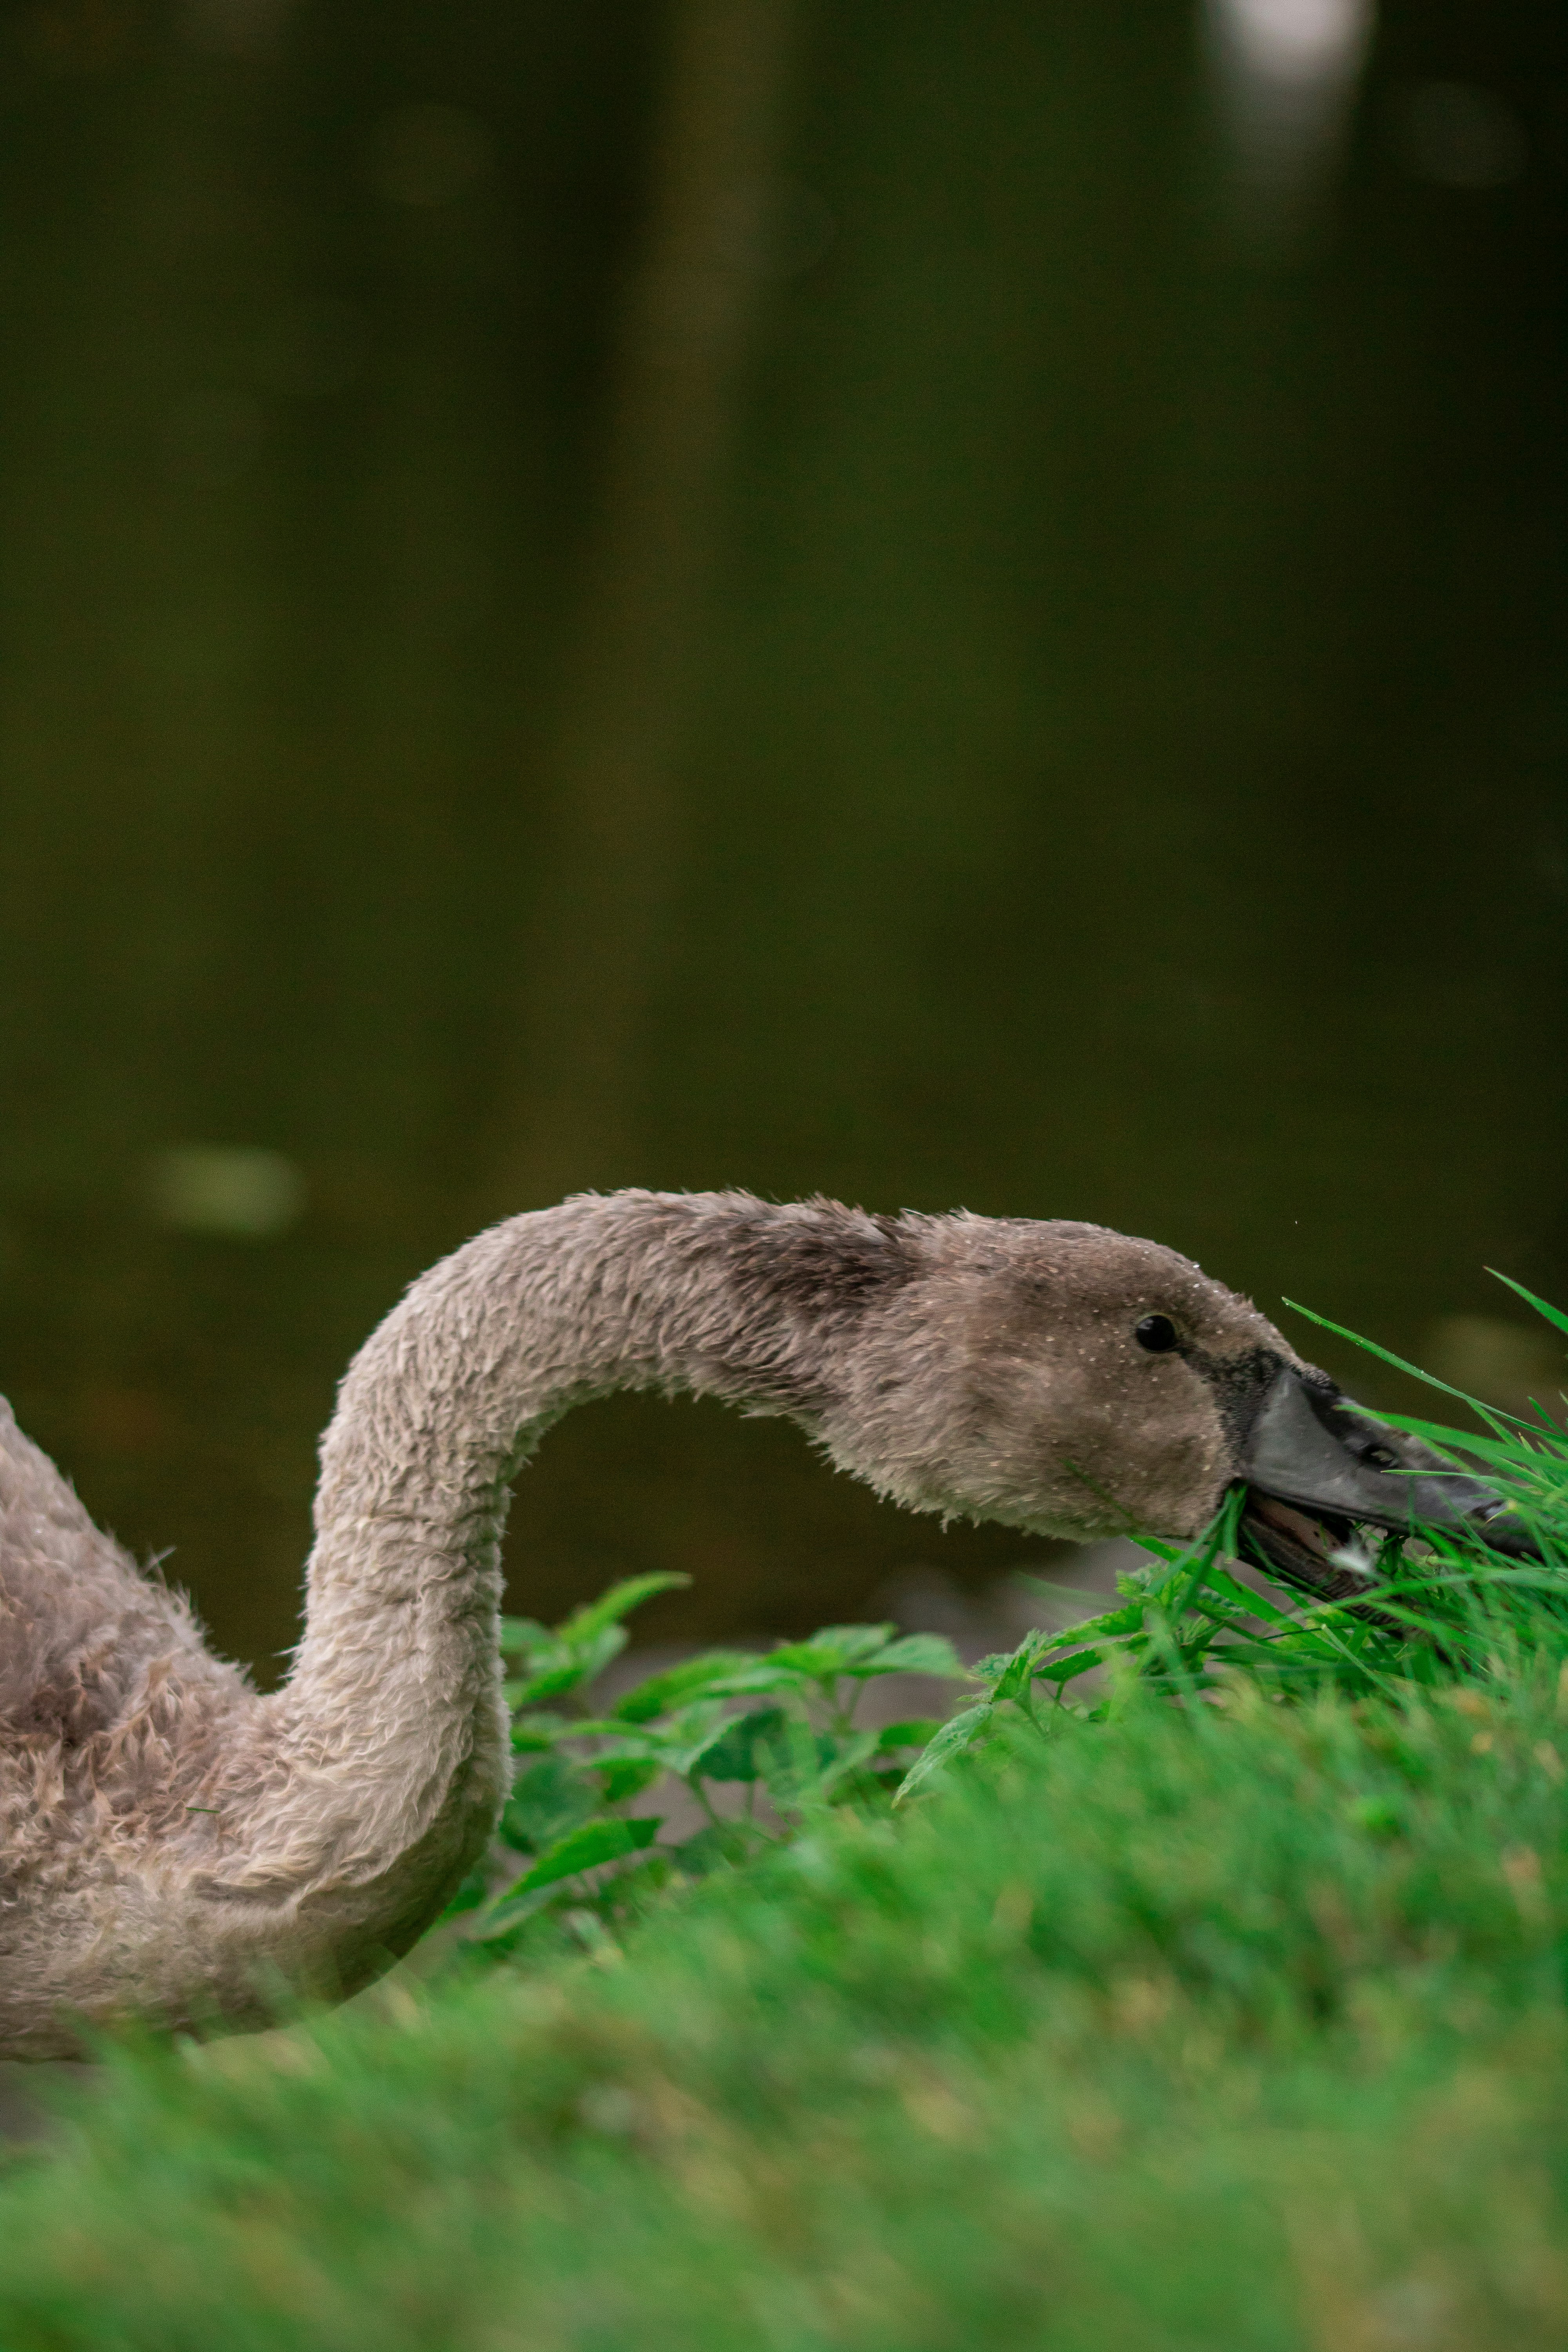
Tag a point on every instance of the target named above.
point(174, 1845)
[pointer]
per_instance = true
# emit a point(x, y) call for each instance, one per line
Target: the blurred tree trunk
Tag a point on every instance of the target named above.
point(566, 1107)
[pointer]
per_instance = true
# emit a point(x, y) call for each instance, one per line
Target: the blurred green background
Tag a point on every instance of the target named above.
point(941, 605)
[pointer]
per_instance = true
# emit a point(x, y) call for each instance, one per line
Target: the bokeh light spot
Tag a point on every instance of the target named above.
point(240, 1189)
point(1292, 37)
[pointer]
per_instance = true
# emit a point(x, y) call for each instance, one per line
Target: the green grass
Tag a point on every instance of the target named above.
point(1145, 2022)
point(1243, 2032)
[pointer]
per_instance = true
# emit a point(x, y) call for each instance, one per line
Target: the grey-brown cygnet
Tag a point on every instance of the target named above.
point(173, 1843)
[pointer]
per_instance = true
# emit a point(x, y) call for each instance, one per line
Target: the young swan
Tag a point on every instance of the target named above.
point(173, 1844)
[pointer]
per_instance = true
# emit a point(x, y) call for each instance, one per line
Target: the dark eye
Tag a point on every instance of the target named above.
point(1156, 1333)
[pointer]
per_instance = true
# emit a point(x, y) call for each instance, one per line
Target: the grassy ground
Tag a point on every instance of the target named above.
point(1149, 2024)
point(1237, 2029)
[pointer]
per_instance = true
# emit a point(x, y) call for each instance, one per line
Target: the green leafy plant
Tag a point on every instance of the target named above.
point(747, 1746)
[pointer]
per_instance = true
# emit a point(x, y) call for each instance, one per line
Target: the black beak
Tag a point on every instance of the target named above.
point(1316, 1468)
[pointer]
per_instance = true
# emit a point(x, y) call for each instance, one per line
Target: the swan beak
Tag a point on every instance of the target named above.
point(1317, 1467)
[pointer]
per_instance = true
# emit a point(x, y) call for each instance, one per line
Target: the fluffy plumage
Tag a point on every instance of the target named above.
point(172, 1844)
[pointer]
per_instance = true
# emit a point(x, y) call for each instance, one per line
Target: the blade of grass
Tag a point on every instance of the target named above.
point(1553, 1314)
point(1386, 1355)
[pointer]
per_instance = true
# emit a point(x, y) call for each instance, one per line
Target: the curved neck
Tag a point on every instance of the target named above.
point(393, 1716)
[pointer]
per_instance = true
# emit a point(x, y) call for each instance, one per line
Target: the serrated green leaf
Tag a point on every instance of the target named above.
point(587, 1623)
point(552, 1798)
point(795, 1762)
point(621, 1776)
point(839, 1769)
point(1112, 1625)
point(836, 1650)
point(585, 1849)
point(687, 1756)
point(912, 1734)
point(1071, 1664)
point(960, 1731)
point(722, 1844)
point(672, 1742)
point(566, 1667)
point(913, 1654)
point(761, 1678)
point(520, 1636)
point(733, 1754)
point(663, 1691)
point(616, 1739)
point(1065, 1654)
point(536, 1733)
point(1020, 1669)
point(597, 1649)
point(553, 1681)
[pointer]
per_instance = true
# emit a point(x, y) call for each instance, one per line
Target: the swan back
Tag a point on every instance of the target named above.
point(111, 1707)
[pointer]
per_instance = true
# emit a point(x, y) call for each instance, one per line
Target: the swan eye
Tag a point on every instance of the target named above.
point(1156, 1333)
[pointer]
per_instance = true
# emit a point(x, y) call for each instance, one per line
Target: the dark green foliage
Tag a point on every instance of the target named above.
point(778, 1730)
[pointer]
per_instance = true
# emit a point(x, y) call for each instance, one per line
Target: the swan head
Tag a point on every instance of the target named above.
point(1077, 1382)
